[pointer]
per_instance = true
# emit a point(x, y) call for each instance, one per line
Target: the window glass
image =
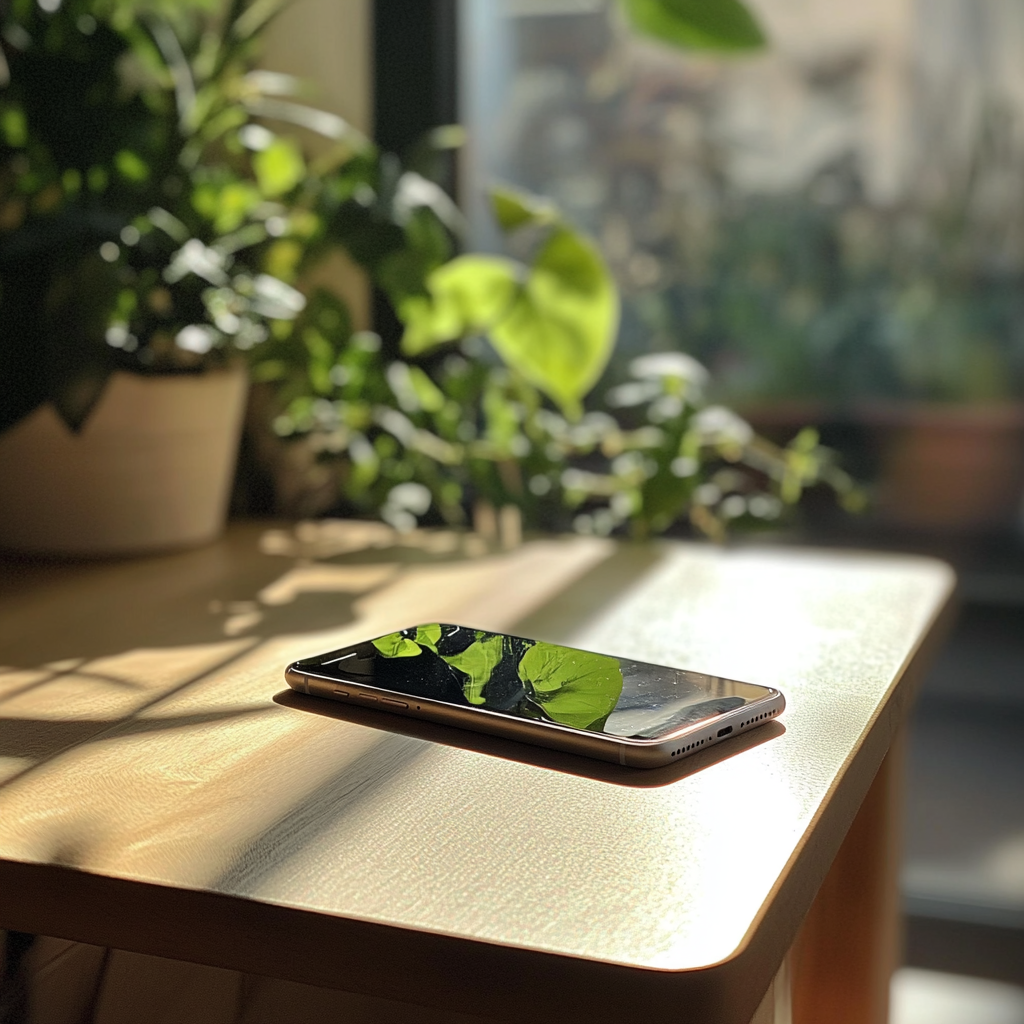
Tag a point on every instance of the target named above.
point(837, 216)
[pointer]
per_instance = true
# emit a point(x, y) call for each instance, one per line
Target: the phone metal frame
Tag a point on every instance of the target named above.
point(635, 753)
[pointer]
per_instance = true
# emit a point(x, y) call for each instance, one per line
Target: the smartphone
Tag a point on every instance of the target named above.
point(615, 709)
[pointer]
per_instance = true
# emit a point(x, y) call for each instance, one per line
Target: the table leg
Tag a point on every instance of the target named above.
point(776, 1007)
point(849, 944)
point(13, 987)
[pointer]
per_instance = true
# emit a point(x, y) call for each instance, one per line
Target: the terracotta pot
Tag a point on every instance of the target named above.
point(951, 468)
point(151, 469)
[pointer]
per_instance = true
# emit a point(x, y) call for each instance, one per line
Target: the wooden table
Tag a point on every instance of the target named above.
point(160, 792)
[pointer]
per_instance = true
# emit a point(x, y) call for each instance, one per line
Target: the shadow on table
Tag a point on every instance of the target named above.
point(257, 582)
point(524, 753)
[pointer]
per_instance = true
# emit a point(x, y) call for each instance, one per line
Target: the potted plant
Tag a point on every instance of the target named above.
point(155, 223)
point(488, 411)
point(156, 228)
point(482, 413)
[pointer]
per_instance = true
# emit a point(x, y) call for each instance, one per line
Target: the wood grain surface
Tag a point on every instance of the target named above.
point(161, 793)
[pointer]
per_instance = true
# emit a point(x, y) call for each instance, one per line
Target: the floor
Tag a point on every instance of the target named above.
point(963, 874)
point(928, 997)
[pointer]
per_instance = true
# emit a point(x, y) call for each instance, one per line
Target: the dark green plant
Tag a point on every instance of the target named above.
point(154, 217)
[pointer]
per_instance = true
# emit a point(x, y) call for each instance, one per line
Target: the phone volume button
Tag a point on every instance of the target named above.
point(393, 703)
point(367, 696)
point(341, 693)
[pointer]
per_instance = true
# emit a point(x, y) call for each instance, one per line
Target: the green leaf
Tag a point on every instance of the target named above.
point(14, 126)
point(697, 24)
point(560, 331)
point(237, 199)
point(279, 167)
point(429, 636)
point(255, 17)
point(429, 396)
point(467, 295)
point(477, 662)
point(394, 645)
point(514, 209)
point(574, 688)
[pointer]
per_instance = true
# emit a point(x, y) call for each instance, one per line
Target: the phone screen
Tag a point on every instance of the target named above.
point(532, 679)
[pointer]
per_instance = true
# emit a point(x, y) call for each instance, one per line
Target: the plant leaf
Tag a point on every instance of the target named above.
point(279, 167)
point(394, 645)
point(468, 294)
point(514, 209)
point(574, 688)
point(696, 24)
point(429, 636)
point(477, 662)
point(560, 330)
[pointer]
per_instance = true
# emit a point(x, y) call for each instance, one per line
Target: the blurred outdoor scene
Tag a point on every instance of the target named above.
point(834, 226)
point(839, 218)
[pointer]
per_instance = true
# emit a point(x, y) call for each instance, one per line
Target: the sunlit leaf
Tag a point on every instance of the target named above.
point(320, 121)
point(561, 328)
point(282, 259)
point(467, 295)
point(235, 202)
point(429, 636)
point(394, 645)
point(279, 167)
point(477, 662)
point(428, 394)
point(574, 688)
point(514, 209)
point(696, 24)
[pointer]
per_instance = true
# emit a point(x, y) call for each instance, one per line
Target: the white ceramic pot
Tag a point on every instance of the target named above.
point(151, 469)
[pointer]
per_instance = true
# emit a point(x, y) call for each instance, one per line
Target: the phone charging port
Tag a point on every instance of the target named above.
point(725, 731)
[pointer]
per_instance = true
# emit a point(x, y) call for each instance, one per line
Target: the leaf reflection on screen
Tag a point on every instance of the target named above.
point(573, 688)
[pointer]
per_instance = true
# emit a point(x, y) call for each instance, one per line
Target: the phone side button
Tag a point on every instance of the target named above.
point(394, 703)
point(341, 693)
point(367, 696)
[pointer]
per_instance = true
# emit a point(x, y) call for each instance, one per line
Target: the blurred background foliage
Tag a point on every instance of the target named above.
point(838, 219)
point(159, 214)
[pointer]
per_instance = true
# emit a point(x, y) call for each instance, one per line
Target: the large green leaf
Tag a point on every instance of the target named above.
point(574, 688)
point(514, 209)
point(468, 295)
point(477, 662)
point(560, 330)
point(697, 24)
